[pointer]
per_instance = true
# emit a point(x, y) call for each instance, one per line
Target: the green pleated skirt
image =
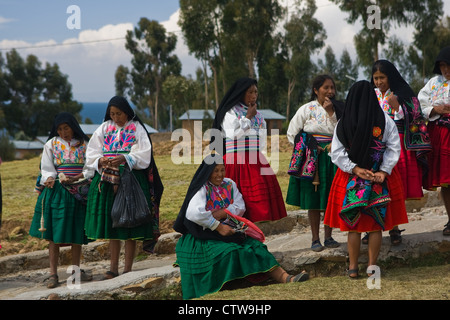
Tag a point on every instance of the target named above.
point(63, 216)
point(98, 223)
point(302, 193)
point(206, 265)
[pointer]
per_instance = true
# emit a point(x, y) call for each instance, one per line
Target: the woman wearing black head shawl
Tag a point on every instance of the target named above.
point(244, 132)
point(121, 140)
point(59, 214)
point(211, 253)
point(366, 194)
point(435, 100)
point(398, 100)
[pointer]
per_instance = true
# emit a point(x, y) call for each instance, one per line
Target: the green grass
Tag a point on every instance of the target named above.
point(422, 283)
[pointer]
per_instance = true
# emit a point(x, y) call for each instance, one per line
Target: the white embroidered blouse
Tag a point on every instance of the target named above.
point(311, 118)
point(435, 92)
point(109, 139)
point(58, 151)
point(197, 212)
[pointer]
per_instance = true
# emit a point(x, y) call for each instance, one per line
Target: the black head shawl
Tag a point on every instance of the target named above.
point(397, 84)
point(231, 98)
point(66, 117)
point(123, 105)
point(444, 55)
point(355, 128)
point(185, 226)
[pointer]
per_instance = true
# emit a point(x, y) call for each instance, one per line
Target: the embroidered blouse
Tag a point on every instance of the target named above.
point(311, 118)
point(236, 127)
point(391, 155)
point(383, 101)
point(435, 92)
point(211, 197)
point(110, 140)
point(59, 154)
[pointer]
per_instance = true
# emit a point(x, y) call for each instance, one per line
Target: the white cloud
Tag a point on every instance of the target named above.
point(5, 20)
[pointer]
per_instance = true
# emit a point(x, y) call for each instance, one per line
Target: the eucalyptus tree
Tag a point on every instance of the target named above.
point(152, 62)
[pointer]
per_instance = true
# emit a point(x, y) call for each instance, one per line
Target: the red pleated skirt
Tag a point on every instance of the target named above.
point(258, 184)
point(395, 213)
point(410, 172)
point(439, 158)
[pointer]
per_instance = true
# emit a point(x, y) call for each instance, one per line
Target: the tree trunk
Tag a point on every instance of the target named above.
point(216, 89)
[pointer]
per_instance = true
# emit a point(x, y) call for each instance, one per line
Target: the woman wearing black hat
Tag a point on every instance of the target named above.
point(121, 140)
point(59, 214)
point(435, 101)
point(244, 130)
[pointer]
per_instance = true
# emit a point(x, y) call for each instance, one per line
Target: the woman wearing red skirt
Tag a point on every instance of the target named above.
point(435, 100)
point(367, 193)
point(243, 130)
point(398, 100)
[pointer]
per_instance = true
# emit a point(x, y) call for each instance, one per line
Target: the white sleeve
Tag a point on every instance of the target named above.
point(94, 152)
point(47, 166)
point(238, 205)
point(234, 127)
point(424, 97)
point(296, 124)
point(339, 155)
point(197, 213)
point(393, 147)
point(141, 152)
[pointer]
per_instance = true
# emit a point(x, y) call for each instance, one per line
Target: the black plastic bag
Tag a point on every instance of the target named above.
point(130, 208)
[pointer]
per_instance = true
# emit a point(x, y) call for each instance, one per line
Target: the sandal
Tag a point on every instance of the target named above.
point(109, 275)
point(53, 281)
point(353, 271)
point(316, 246)
point(396, 237)
point(303, 276)
point(446, 231)
point(331, 243)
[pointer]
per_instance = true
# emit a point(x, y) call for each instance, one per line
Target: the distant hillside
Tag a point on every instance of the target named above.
point(94, 111)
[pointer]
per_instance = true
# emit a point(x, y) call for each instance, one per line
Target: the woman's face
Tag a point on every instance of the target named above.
point(118, 116)
point(217, 175)
point(65, 132)
point(445, 69)
point(327, 90)
point(381, 81)
point(251, 95)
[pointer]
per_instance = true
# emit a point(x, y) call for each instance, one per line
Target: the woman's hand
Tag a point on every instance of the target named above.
point(251, 110)
point(440, 109)
point(393, 102)
point(224, 230)
point(111, 162)
point(328, 106)
point(363, 173)
point(50, 182)
point(379, 176)
point(219, 214)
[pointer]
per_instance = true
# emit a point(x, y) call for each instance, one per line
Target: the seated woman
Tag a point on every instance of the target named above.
point(211, 253)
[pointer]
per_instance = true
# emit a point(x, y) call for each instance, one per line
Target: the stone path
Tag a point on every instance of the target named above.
point(22, 277)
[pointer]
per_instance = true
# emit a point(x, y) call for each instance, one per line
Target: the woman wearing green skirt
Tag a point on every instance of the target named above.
point(210, 252)
point(61, 206)
point(121, 140)
point(315, 120)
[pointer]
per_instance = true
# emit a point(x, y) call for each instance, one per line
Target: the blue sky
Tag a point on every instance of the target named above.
point(41, 25)
point(34, 21)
